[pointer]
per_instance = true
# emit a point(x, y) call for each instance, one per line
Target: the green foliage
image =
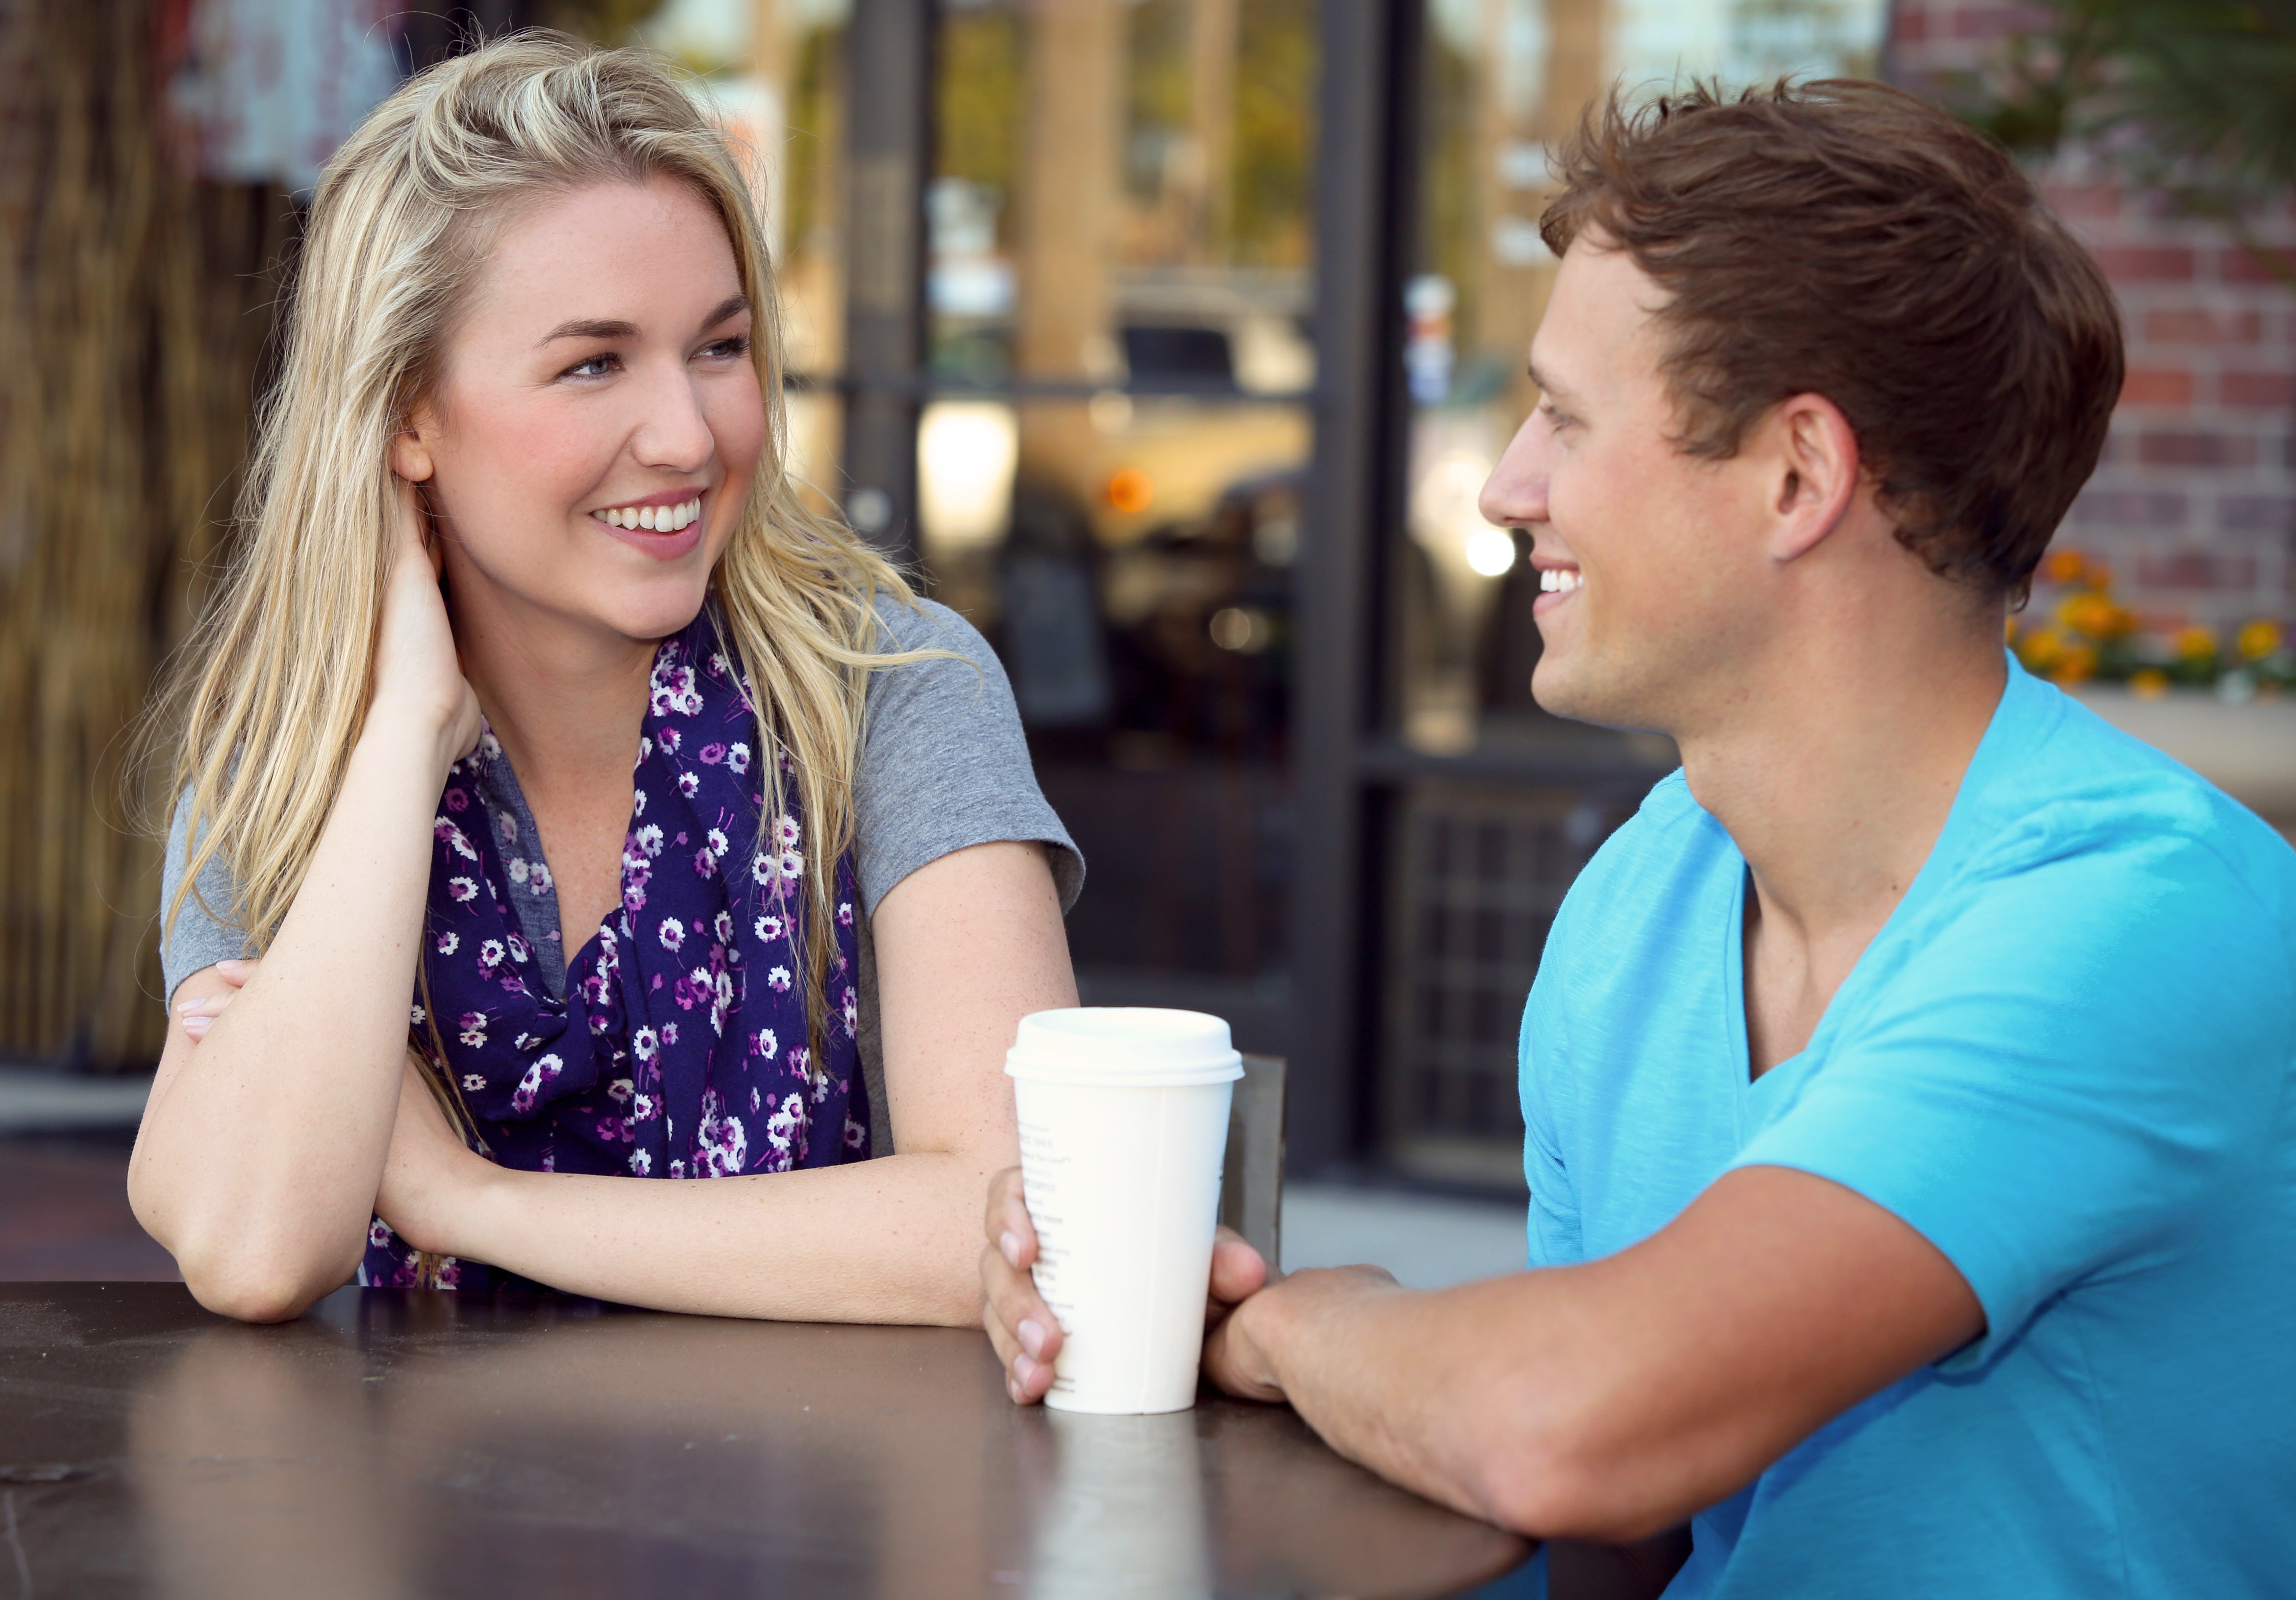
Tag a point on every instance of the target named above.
point(1275, 133)
point(2195, 98)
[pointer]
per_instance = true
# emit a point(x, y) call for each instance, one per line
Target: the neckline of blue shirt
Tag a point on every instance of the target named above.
point(2024, 700)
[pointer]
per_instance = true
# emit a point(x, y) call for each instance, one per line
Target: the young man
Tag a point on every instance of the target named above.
point(1911, 1140)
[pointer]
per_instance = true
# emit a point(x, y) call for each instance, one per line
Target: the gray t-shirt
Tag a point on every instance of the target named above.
point(943, 766)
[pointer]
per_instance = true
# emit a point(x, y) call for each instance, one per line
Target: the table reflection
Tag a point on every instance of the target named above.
point(404, 1445)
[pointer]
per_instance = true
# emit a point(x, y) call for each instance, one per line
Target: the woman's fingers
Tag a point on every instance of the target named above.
point(197, 1016)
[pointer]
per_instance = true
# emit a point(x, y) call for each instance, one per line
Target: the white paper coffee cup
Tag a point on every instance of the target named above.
point(1123, 1114)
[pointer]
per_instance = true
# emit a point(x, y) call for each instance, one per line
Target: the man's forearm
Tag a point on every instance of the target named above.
point(1409, 1383)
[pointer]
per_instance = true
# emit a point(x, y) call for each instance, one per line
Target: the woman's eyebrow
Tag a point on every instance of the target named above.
point(588, 330)
point(727, 307)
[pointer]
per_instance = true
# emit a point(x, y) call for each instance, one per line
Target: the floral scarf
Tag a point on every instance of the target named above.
point(679, 1047)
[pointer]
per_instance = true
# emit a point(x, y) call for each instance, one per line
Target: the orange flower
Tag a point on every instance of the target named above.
point(2257, 640)
point(2096, 616)
point(2063, 566)
point(2045, 647)
point(2196, 644)
point(2148, 683)
point(2079, 665)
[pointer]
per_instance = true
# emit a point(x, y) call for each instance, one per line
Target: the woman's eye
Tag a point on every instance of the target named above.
point(592, 366)
point(728, 350)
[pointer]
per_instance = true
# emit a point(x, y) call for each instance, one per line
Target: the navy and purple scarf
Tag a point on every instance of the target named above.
point(679, 1049)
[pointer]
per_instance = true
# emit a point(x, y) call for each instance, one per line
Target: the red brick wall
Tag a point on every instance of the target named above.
point(2194, 503)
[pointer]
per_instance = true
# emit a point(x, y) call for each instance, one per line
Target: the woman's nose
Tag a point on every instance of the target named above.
point(675, 433)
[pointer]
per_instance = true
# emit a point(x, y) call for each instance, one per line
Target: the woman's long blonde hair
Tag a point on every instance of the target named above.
point(269, 695)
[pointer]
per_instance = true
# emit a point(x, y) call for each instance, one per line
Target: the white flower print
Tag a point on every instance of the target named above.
point(852, 1012)
point(518, 946)
point(724, 1141)
point(539, 879)
point(517, 868)
point(638, 802)
point(414, 1015)
point(778, 980)
point(643, 1043)
point(506, 828)
point(670, 740)
point(689, 783)
point(640, 1162)
point(737, 759)
point(854, 1133)
point(544, 1068)
point(787, 833)
point(722, 925)
point(489, 746)
point(649, 838)
point(669, 1033)
point(453, 836)
point(754, 1102)
point(448, 943)
point(784, 1127)
point(770, 928)
point(792, 864)
point(642, 1108)
point(619, 1091)
point(490, 954)
point(845, 913)
point(379, 1234)
point(765, 1044)
point(461, 891)
point(674, 691)
point(473, 1024)
point(474, 1082)
point(672, 933)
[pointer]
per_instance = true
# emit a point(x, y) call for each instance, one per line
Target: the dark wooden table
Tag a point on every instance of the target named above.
point(402, 1444)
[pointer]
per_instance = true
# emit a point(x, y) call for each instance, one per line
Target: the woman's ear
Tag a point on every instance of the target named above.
point(410, 449)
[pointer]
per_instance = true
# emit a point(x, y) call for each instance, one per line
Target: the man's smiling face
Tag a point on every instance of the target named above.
point(1650, 559)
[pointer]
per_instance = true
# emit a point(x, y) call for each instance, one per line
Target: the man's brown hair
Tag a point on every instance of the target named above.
point(1847, 238)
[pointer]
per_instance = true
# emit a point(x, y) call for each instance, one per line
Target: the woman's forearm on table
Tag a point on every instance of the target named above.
point(889, 1241)
point(262, 1147)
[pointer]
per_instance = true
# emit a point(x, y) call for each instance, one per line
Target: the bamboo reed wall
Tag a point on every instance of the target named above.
point(136, 306)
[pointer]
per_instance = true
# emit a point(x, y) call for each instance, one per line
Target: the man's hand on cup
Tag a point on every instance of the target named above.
point(1023, 1329)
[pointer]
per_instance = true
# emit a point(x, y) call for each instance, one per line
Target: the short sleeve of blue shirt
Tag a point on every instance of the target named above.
point(2045, 1085)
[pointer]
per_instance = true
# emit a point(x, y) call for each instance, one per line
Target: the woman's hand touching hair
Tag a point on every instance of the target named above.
point(419, 684)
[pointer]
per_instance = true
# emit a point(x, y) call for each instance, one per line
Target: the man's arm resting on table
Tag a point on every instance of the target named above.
point(1612, 1399)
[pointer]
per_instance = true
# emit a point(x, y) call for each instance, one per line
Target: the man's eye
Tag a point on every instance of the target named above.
point(592, 366)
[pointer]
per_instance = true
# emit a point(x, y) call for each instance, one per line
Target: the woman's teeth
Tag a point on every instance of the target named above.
point(655, 519)
point(1559, 580)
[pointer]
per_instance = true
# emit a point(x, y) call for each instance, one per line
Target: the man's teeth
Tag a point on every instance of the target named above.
point(655, 519)
point(1559, 580)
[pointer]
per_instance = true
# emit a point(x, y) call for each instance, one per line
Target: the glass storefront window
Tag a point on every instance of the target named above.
point(1111, 454)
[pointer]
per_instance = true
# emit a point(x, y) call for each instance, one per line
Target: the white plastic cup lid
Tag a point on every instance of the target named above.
point(1128, 1046)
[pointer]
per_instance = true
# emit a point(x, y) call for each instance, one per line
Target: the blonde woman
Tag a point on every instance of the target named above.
point(537, 712)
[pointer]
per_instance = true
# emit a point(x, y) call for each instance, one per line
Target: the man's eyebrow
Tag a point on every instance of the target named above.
point(1546, 386)
point(594, 328)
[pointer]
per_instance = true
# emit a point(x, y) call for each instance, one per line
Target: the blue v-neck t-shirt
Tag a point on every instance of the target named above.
point(2067, 1060)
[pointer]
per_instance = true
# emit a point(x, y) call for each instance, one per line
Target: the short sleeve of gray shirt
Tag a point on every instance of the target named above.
point(943, 766)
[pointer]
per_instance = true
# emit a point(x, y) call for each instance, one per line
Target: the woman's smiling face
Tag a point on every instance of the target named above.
point(598, 420)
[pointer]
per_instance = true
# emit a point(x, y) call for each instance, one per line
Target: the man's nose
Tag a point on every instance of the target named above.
point(1514, 495)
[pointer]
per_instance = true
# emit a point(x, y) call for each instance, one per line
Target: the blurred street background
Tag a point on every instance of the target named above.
point(1169, 340)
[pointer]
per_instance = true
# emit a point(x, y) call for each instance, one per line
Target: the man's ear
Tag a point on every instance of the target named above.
point(1814, 473)
point(410, 448)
